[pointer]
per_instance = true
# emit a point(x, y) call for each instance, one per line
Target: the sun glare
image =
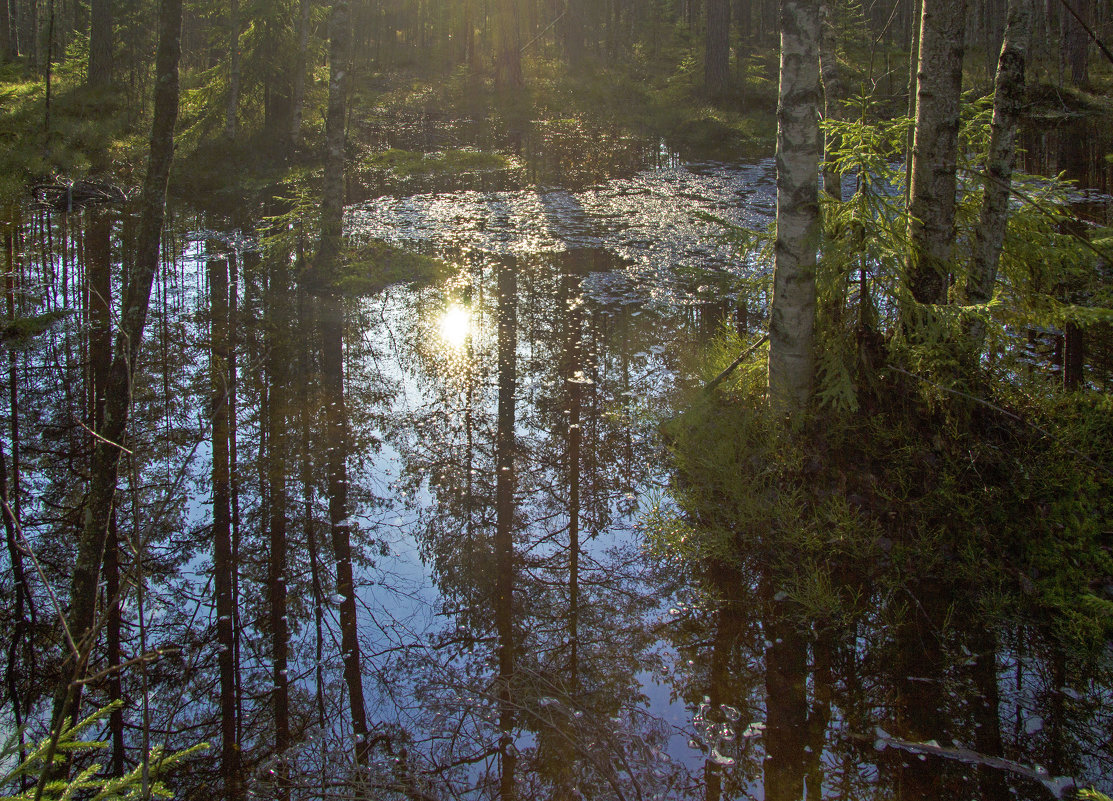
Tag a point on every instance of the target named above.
point(456, 326)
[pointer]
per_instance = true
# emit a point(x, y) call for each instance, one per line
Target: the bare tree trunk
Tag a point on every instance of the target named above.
point(98, 276)
point(106, 453)
point(832, 97)
point(791, 329)
point(716, 66)
point(7, 29)
point(1008, 105)
point(332, 195)
point(278, 378)
point(299, 75)
point(504, 523)
point(508, 60)
point(331, 318)
point(231, 110)
point(222, 531)
point(100, 43)
point(934, 149)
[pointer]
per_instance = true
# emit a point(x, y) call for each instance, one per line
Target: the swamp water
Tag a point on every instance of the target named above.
point(517, 637)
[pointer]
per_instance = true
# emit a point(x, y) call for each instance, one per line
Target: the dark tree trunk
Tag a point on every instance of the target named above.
point(223, 566)
point(832, 97)
point(786, 704)
point(935, 149)
point(716, 67)
point(106, 453)
point(100, 43)
point(332, 368)
point(299, 75)
point(504, 522)
point(331, 319)
point(508, 59)
point(231, 109)
point(278, 378)
point(98, 276)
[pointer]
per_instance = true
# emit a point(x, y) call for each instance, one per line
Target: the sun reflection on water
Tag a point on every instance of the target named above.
point(456, 326)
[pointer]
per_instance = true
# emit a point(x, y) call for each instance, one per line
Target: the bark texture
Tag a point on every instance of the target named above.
point(1008, 105)
point(716, 67)
point(792, 324)
point(934, 149)
point(100, 43)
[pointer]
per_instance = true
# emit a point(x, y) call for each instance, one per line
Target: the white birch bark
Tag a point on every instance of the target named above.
point(792, 324)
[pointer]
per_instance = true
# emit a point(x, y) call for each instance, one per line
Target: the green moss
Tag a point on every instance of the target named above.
point(409, 163)
point(19, 330)
point(374, 266)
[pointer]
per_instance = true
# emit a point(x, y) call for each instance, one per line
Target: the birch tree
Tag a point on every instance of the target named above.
point(792, 324)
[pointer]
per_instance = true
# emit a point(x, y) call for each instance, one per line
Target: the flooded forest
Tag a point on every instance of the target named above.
point(444, 400)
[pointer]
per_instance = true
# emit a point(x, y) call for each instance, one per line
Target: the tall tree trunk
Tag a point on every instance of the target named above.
point(1008, 105)
point(331, 317)
point(508, 59)
point(106, 453)
point(222, 531)
point(231, 109)
point(7, 29)
point(332, 368)
point(934, 149)
point(504, 522)
point(832, 97)
point(98, 277)
point(299, 75)
point(278, 378)
point(332, 194)
point(100, 43)
point(1076, 40)
point(716, 65)
point(791, 329)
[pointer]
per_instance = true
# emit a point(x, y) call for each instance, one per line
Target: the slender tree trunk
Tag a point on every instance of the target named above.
point(913, 60)
point(1008, 106)
point(222, 531)
point(100, 43)
point(504, 523)
point(231, 110)
point(331, 317)
point(278, 378)
point(935, 149)
point(332, 195)
point(7, 29)
point(832, 98)
point(791, 328)
point(716, 67)
point(299, 74)
point(106, 453)
point(98, 277)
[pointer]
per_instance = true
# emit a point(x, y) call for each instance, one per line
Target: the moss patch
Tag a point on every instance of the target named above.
point(409, 163)
point(376, 265)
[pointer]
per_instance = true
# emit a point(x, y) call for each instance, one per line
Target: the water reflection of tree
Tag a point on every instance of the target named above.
point(538, 665)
